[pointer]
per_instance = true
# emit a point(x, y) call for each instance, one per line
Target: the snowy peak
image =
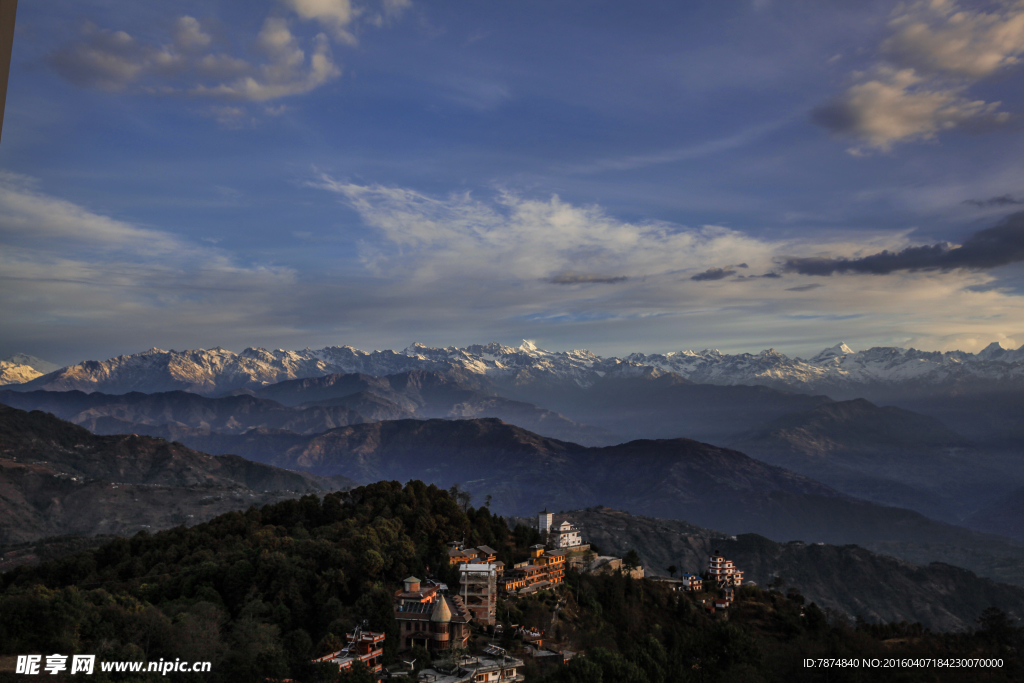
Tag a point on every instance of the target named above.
point(38, 364)
point(836, 351)
point(837, 370)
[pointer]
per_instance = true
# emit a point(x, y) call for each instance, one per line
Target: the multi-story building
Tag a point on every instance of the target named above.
point(479, 591)
point(457, 555)
point(437, 626)
point(544, 521)
point(544, 569)
point(723, 572)
point(692, 583)
point(365, 646)
point(565, 535)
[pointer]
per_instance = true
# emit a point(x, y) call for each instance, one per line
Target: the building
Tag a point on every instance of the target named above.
point(544, 569)
point(437, 625)
point(495, 666)
point(479, 591)
point(565, 535)
point(544, 521)
point(413, 591)
point(366, 646)
point(723, 572)
point(457, 555)
point(692, 583)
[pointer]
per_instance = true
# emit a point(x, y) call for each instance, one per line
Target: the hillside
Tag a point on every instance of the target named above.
point(674, 478)
point(887, 455)
point(260, 593)
point(848, 579)
point(58, 478)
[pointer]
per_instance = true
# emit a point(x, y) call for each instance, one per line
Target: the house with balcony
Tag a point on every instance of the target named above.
point(692, 583)
point(364, 646)
point(723, 572)
point(543, 569)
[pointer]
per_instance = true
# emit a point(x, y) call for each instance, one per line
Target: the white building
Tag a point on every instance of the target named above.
point(565, 535)
point(544, 519)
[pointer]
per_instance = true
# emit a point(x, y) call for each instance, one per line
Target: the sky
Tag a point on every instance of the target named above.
point(620, 177)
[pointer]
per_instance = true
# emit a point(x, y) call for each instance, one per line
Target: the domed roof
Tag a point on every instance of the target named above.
point(441, 612)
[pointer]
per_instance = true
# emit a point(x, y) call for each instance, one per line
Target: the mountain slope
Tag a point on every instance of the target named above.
point(848, 579)
point(888, 455)
point(678, 479)
point(451, 395)
point(57, 478)
point(231, 414)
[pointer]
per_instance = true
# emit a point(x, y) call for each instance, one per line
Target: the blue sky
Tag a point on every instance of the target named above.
point(613, 176)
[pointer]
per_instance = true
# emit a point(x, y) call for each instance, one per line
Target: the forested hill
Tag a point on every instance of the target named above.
point(255, 592)
point(260, 593)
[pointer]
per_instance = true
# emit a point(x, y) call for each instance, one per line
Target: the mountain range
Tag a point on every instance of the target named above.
point(837, 371)
point(58, 478)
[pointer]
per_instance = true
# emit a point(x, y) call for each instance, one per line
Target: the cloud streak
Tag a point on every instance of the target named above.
point(455, 269)
point(999, 245)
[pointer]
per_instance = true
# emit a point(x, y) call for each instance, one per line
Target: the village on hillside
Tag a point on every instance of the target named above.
point(440, 623)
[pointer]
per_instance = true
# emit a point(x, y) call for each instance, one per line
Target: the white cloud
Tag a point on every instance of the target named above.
point(551, 269)
point(66, 265)
point(935, 53)
point(899, 106)
point(114, 60)
point(189, 34)
point(285, 71)
point(525, 239)
point(459, 269)
point(192, 62)
point(937, 36)
point(334, 16)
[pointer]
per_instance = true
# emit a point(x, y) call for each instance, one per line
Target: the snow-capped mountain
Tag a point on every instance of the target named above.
point(21, 368)
point(838, 370)
point(16, 373)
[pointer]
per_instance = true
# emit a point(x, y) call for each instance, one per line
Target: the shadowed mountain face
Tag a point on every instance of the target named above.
point(888, 455)
point(452, 395)
point(56, 478)
point(676, 478)
point(232, 415)
point(847, 578)
point(1004, 516)
point(666, 406)
point(305, 406)
point(521, 470)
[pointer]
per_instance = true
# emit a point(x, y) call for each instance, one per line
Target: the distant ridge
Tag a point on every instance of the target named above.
point(838, 371)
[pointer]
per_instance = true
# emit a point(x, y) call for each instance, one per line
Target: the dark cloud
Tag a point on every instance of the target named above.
point(1004, 200)
point(585, 279)
point(713, 274)
point(771, 275)
point(804, 288)
point(990, 248)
